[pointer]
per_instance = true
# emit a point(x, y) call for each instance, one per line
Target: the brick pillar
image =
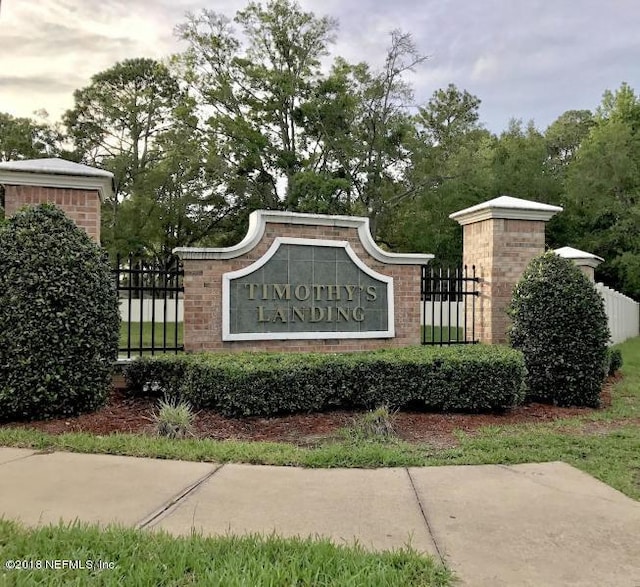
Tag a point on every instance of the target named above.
point(586, 262)
point(77, 189)
point(500, 237)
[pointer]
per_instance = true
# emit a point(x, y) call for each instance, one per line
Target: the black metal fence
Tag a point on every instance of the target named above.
point(448, 299)
point(150, 293)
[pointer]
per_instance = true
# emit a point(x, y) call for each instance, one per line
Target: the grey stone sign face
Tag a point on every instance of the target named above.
point(307, 289)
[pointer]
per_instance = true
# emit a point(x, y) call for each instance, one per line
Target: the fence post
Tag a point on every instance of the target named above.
point(501, 236)
point(586, 262)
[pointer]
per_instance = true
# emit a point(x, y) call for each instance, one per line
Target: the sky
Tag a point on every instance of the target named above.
point(525, 59)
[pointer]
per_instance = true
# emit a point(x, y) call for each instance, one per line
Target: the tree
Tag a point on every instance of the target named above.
point(603, 190)
point(621, 106)
point(521, 165)
point(184, 209)
point(449, 114)
point(451, 168)
point(25, 138)
point(251, 89)
point(59, 318)
point(564, 137)
point(560, 325)
point(118, 123)
point(372, 148)
point(117, 118)
point(289, 135)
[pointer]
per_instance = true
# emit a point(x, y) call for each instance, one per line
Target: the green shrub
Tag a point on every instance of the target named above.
point(471, 378)
point(560, 324)
point(159, 377)
point(59, 317)
point(614, 360)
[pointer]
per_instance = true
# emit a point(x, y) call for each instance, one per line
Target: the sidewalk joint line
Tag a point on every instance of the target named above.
point(176, 499)
point(425, 518)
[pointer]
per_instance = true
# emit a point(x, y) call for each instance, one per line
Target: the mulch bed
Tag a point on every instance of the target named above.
point(132, 415)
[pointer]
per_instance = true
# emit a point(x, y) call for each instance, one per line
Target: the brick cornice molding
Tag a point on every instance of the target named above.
point(259, 219)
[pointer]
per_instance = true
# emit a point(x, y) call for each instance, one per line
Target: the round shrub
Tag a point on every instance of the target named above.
point(560, 325)
point(59, 318)
point(614, 360)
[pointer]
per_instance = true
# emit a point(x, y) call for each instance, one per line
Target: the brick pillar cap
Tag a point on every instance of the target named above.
point(506, 207)
point(57, 173)
point(579, 257)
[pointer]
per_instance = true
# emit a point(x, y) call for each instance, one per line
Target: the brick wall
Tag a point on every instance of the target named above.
point(203, 297)
point(500, 249)
point(82, 206)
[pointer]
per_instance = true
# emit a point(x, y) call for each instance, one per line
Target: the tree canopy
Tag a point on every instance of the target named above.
point(26, 138)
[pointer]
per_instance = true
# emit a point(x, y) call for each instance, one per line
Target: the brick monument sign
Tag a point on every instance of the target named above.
point(301, 282)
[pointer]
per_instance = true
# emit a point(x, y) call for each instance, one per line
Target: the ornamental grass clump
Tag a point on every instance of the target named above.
point(374, 425)
point(560, 325)
point(173, 418)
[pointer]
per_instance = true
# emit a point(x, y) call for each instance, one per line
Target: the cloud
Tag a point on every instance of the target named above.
point(55, 39)
point(485, 68)
point(38, 83)
point(531, 59)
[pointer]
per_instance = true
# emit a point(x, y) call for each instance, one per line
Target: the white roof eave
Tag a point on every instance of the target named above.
point(57, 173)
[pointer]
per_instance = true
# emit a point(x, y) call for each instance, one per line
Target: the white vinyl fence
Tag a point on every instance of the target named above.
point(443, 314)
point(145, 308)
point(623, 314)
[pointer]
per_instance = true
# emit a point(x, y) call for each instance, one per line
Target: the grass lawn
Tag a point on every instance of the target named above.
point(155, 558)
point(442, 333)
point(148, 334)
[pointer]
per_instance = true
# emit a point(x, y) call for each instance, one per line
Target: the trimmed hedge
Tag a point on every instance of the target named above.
point(59, 318)
point(472, 379)
point(560, 325)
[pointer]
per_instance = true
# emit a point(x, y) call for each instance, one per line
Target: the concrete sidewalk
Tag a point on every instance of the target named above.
point(526, 525)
